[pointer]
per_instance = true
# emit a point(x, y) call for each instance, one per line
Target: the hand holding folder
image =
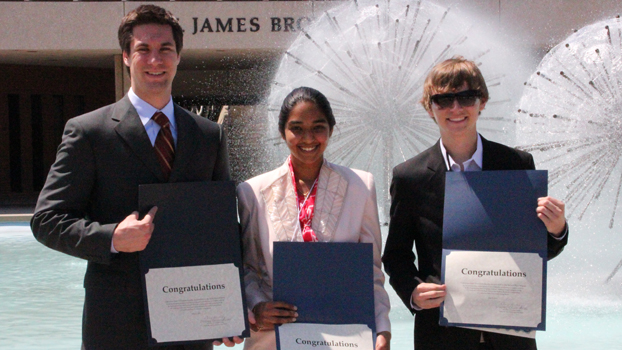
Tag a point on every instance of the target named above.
point(332, 286)
point(494, 250)
point(192, 278)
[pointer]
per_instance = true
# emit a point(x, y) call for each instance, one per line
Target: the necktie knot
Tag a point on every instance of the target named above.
point(161, 119)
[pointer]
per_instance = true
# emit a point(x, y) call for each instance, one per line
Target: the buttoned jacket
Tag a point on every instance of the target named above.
point(93, 185)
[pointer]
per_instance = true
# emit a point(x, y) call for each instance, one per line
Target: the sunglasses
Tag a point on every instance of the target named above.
point(465, 98)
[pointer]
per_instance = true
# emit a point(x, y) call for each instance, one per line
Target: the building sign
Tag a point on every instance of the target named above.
point(245, 24)
point(231, 25)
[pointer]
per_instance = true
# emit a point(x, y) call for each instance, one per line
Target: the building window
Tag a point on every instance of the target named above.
point(58, 118)
point(38, 167)
point(15, 146)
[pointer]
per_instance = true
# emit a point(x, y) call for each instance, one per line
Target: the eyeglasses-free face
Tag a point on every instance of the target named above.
point(465, 99)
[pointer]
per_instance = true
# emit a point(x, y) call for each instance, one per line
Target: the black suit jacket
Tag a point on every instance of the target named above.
point(93, 185)
point(417, 201)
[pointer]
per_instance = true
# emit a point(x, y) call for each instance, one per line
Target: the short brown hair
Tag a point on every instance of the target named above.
point(452, 74)
point(148, 14)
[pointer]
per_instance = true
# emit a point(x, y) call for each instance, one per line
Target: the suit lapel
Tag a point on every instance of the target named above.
point(435, 177)
point(280, 200)
point(133, 133)
point(187, 140)
point(329, 200)
point(489, 160)
point(436, 163)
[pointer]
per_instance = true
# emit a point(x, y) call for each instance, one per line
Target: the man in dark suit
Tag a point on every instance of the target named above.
point(454, 95)
point(87, 207)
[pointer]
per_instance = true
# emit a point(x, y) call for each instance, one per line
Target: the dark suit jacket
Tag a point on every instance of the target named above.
point(93, 185)
point(417, 200)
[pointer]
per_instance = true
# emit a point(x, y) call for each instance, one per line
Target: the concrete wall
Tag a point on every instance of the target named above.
point(48, 32)
point(75, 26)
point(538, 24)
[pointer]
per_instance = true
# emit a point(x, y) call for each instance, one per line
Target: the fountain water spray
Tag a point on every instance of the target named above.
point(370, 58)
point(570, 118)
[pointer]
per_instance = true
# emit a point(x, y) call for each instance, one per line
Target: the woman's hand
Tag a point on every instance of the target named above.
point(267, 314)
point(429, 295)
point(383, 341)
point(229, 342)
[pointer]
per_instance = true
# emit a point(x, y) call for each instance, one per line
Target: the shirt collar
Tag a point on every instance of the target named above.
point(146, 111)
point(472, 164)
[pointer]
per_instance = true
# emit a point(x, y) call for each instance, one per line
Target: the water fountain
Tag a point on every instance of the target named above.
point(370, 59)
point(570, 118)
point(574, 102)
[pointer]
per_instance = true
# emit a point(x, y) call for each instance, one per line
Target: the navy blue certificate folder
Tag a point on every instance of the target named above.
point(195, 225)
point(495, 211)
point(330, 283)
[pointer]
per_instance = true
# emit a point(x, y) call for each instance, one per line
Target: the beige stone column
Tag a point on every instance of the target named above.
point(121, 78)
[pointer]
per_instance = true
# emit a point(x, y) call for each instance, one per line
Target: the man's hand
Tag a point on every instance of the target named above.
point(132, 235)
point(267, 314)
point(229, 342)
point(383, 341)
point(429, 295)
point(551, 211)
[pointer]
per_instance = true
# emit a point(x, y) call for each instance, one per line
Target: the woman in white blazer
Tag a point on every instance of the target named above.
point(305, 199)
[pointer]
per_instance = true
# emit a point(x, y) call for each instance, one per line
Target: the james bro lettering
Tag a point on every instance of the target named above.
point(244, 24)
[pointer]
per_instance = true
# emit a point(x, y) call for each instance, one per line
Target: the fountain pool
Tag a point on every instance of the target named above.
point(41, 292)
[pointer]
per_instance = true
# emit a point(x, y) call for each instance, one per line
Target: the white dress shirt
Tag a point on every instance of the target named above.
point(146, 111)
point(472, 164)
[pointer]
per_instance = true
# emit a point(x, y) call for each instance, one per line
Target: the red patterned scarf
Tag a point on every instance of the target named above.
point(306, 207)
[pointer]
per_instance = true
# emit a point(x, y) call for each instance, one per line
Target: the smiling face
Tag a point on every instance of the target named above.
point(153, 61)
point(456, 121)
point(306, 134)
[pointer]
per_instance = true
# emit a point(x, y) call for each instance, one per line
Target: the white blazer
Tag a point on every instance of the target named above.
point(345, 211)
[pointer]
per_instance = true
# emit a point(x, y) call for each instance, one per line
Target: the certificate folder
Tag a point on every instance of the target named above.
point(495, 211)
point(330, 283)
point(195, 230)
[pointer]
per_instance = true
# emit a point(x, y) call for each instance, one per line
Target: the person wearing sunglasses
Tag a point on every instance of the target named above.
point(454, 94)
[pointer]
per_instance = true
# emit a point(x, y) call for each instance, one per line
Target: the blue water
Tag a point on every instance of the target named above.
point(41, 298)
point(41, 293)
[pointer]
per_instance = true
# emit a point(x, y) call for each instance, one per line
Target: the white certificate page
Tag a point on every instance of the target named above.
point(194, 302)
point(325, 336)
point(493, 288)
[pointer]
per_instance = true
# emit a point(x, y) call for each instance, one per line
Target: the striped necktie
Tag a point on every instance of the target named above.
point(164, 144)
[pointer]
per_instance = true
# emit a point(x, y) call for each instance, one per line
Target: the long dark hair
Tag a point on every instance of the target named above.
point(308, 94)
